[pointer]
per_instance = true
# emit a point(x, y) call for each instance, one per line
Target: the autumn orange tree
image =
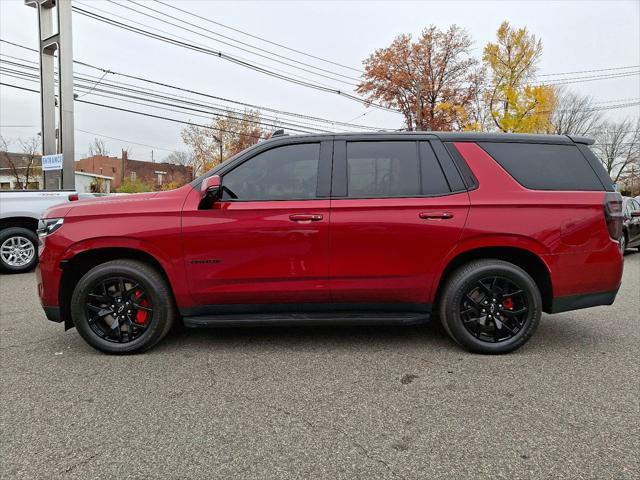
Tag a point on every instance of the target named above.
point(227, 135)
point(432, 81)
point(515, 103)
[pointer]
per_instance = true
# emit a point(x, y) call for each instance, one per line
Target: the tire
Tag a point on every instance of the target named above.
point(458, 298)
point(156, 293)
point(18, 250)
point(623, 243)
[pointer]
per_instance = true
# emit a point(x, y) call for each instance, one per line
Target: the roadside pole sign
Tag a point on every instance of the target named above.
point(52, 162)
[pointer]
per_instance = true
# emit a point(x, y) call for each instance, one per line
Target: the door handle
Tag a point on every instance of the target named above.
point(435, 215)
point(305, 217)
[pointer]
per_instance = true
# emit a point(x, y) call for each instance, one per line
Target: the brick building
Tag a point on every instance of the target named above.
point(124, 168)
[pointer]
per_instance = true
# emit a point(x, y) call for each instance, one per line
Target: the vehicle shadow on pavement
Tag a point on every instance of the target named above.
point(566, 332)
point(429, 335)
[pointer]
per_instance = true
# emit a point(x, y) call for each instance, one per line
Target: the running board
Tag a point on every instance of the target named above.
point(315, 318)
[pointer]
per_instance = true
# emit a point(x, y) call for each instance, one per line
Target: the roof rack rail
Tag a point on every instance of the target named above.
point(278, 133)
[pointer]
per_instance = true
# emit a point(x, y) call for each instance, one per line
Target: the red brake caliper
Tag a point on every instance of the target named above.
point(141, 315)
point(508, 303)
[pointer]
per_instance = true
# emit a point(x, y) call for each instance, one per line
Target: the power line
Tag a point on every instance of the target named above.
point(126, 141)
point(173, 119)
point(348, 67)
point(567, 81)
point(588, 71)
point(232, 39)
point(338, 64)
point(188, 40)
point(231, 58)
point(163, 105)
point(618, 100)
point(259, 38)
point(110, 94)
point(208, 127)
point(214, 97)
point(94, 88)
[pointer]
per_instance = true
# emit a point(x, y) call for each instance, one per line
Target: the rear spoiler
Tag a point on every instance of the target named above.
point(583, 140)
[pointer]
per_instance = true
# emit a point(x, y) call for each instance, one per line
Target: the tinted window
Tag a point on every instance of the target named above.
point(382, 169)
point(283, 173)
point(545, 167)
point(433, 180)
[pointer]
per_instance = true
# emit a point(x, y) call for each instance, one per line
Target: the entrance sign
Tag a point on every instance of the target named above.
point(52, 162)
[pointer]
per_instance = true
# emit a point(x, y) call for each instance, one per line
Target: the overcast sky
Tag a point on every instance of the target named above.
point(577, 36)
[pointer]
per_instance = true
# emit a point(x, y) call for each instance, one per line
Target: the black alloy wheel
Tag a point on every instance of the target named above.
point(123, 306)
point(490, 306)
point(494, 309)
point(118, 309)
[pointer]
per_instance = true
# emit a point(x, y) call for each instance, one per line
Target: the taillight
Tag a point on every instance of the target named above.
point(73, 197)
point(612, 206)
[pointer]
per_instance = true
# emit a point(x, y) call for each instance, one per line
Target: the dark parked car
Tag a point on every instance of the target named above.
point(489, 230)
point(631, 224)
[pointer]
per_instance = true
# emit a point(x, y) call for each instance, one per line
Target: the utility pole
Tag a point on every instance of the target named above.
point(55, 35)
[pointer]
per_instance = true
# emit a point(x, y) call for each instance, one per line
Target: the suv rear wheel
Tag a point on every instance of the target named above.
point(18, 249)
point(122, 306)
point(490, 306)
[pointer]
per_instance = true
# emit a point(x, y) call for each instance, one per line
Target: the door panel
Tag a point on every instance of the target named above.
point(396, 220)
point(253, 252)
point(266, 240)
point(382, 250)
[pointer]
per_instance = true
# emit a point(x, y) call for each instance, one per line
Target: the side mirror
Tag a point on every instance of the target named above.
point(635, 213)
point(211, 187)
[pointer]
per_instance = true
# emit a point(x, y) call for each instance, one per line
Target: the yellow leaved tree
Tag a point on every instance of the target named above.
point(515, 104)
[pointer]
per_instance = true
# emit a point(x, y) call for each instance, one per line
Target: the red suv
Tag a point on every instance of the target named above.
point(487, 230)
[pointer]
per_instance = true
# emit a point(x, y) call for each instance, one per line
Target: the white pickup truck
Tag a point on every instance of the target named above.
point(20, 211)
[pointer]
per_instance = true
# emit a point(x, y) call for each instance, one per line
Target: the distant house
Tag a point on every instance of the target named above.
point(20, 171)
point(124, 168)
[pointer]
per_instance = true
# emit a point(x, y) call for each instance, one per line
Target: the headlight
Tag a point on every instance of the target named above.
point(46, 226)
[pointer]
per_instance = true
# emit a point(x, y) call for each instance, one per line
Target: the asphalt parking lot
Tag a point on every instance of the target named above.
point(352, 403)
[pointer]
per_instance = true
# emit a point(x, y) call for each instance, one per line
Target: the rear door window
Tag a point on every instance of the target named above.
point(545, 167)
point(393, 169)
point(382, 169)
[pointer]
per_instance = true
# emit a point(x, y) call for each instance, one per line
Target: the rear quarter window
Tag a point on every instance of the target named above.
point(545, 167)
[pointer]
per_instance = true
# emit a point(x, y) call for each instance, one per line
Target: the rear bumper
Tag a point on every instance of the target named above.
point(576, 302)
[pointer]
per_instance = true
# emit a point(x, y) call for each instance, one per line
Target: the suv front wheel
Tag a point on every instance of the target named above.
point(122, 306)
point(490, 306)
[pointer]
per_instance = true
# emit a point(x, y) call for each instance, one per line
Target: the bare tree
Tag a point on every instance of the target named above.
point(227, 135)
point(98, 147)
point(479, 112)
point(24, 168)
point(629, 181)
point(179, 157)
point(574, 114)
point(618, 145)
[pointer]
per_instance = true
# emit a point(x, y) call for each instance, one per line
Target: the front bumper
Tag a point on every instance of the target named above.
point(53, 314)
